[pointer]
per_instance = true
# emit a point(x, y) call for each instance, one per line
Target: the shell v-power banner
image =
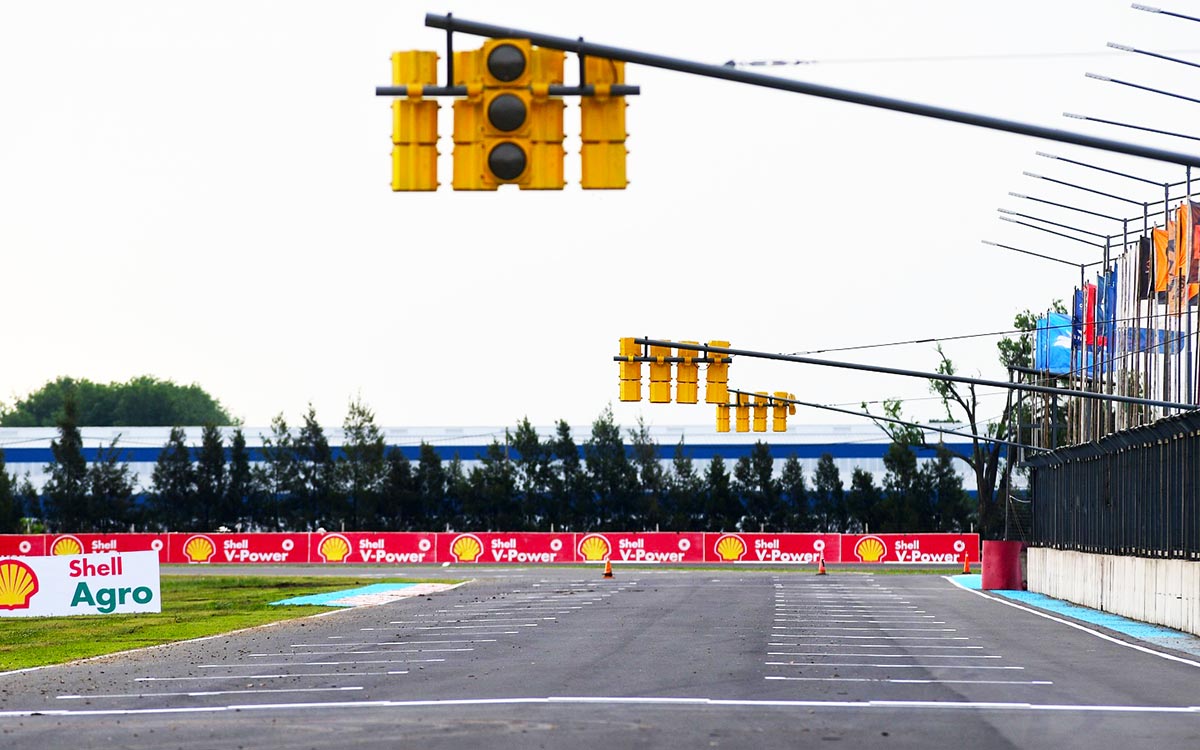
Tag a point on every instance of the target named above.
point(492, 548)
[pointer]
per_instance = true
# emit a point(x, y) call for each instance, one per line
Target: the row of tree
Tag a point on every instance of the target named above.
point(526, 483)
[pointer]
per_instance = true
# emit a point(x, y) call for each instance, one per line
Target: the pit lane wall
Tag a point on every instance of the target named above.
point(511, 548)
point(1160, 591)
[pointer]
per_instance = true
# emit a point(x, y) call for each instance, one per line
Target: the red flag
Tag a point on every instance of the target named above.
point(1089, 315)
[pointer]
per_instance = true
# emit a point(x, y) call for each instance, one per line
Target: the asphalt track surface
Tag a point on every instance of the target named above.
point(560, 657)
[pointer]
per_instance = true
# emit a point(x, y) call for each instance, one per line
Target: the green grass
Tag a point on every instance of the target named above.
point(193, 606)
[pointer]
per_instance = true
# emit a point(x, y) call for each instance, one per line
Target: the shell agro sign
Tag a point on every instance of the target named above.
point(495, 547)
point(362, 547)
point(648, 547)
point(57, 585)
point(910, 548)
point(238, 548)
point(772, 548)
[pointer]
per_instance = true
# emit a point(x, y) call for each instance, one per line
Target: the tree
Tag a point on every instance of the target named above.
point(951, 505)
point(647, 510)
point(569, 488)
point(110, 490)
point(315, 501)
point(493, 505)
point(724, 509)
point(794, 494)
point(862, 502)
point(174, 484)
point(612, 477)
point(828, 496)
point(278, 472)
point(400, 502)
point(66, 489)
point(755, 482)
point(141, 401)
point(532, 467)
point(10, 511)
point(363, 468)
point(986, 457)
point(431, 487)
point(212, 479)
point(686, 492)
point(905, 499)
point(242, 493)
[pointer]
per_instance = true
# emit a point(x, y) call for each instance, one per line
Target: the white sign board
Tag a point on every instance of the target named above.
point(112, 583)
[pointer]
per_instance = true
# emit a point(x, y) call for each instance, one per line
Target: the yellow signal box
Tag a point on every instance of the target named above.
point(760, 411)
point(508, 129)
point(742, 412)
point(722, 417)
point(631, 371)
point(602, 131)
point(546, 123)
point(687, 375)
point(660, 375)
point(716, 377)
point(780, 410)
point(414, 123)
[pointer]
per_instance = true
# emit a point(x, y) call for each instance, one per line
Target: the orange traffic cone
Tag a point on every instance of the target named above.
point(608, 569)
point(821, 566)
point(966, 563)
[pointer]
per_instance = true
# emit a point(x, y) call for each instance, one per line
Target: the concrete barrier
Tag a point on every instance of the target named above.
point(1163, 592)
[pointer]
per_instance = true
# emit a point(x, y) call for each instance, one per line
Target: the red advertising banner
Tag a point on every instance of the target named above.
point(909, 548)
point(772, 548)
point(646, 547)
point(404, 548)
point(238, 548)
point(14, 545)
point(378, 548)
point(495, 547)
point(89, 544)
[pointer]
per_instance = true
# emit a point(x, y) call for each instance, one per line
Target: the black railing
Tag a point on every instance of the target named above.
point(1134, 492)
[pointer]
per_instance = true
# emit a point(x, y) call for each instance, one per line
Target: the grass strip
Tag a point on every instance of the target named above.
point(193, 606)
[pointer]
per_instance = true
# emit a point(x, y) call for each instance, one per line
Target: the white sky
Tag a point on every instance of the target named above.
point(200, 191)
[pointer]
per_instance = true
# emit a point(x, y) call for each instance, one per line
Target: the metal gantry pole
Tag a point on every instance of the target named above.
point(728, 73)
point(880, 369)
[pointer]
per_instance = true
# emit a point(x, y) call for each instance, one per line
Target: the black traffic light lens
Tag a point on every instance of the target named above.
point(507, 161)
point(506, 112)
point(506, 63)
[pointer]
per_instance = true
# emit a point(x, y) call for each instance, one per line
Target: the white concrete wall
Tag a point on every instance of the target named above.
point(1164, 592)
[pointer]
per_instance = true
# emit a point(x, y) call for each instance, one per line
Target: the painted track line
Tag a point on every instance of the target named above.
point(658, 702)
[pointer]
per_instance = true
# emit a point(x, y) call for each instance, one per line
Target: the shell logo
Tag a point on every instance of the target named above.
point(334, 548)
point(870, 549)
point(730, 548)
point(594, 548)
point(66, 545)
point(18, 584)
point(466, 548)
point(199, 549)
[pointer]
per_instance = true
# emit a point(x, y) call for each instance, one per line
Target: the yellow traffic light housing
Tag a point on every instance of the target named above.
point(631, 371)
point(742, 412)
point(781, 407)
point(687, 374)
point(414, 123)
point(716, 377)
point(660, 375)
point(602, 127)
point(508, 129)
point(722, 417)
point(760, 411)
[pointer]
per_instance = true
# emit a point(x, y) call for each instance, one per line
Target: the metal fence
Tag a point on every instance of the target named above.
point(1135, 492)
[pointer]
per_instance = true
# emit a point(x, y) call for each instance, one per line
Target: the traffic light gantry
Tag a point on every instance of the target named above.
point(686, 360)
point(508, 118)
